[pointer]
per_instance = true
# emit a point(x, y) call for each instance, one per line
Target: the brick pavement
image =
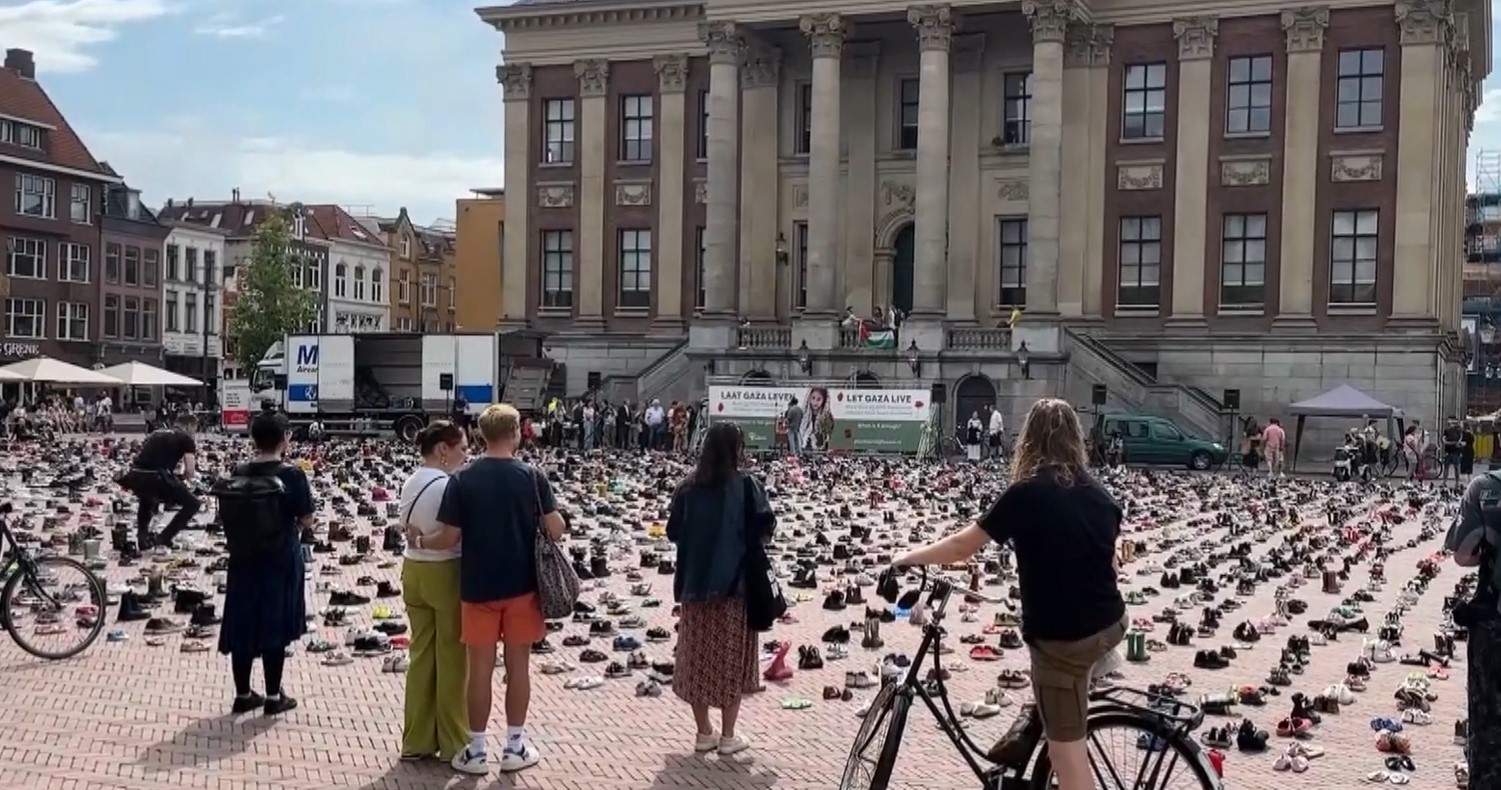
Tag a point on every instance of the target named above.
point(132, 716)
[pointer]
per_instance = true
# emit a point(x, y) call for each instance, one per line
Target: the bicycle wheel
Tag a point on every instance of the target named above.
point(1118, 761)
point(874, 753)
point(56, 609)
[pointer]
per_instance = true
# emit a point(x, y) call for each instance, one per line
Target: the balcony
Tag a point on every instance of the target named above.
point(774, 337)
point(978, 339)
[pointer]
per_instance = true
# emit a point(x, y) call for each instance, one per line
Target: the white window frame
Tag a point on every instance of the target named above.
point(68, 313)
point(36, 249)
point(28, 136)
point(404, 288)
point(37, 315)
point(29, 186)
point(378, 285)
point(80, 195)
point(359, 283)
point(341, 280)
point(170, 313)
point(406, 247)
point(190, 312)
point(428, 290)
point(69, 256)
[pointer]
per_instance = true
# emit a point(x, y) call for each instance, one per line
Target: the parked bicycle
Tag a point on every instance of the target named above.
point(53, 607)
point(1136, 740)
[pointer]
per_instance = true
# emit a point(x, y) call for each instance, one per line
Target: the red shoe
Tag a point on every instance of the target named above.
point(1217, 760)
point(779, 671)
point(984, 653)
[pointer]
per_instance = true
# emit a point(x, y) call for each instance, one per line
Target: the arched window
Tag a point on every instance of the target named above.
point(377, 285)
point(359, 282)
point(341, 280)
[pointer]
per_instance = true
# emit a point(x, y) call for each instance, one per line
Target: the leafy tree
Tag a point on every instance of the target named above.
point(269, 304)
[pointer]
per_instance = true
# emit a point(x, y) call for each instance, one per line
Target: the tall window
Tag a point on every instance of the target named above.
point(28, 258)
point(359, 282)
point(25, 317)
point(210, 261)
point(315, 274)
point(800, 238)
point(804, 117)
point(1018, 109)
point(132, 265)
point(635, 268)
point(703, 124)
point(169, 305)
point(151, 266)
point(190, 309)
point(1243, 260)
point(406, 246)
point(131, 324)
point(210, 325)
point(700, 292)
point(78, 204)
point(377, 285)
point(1013, 248)
point(558, 132)
point(190, 266)
point(1141, 261)
point(635, 127)
point(429, 290)
point(72, 321)
point(148, 319)
point(73, 262)
point(1249, 107)
point(35, 196)
point(907, 99)
point(453, 290)
point(1145, 101)
point(1360, 76)
point(1352, 264)
point(111, 315)
point(172, 270)
point(404, 288)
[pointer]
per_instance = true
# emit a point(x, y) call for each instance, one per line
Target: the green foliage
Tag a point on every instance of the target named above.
point(269, 304)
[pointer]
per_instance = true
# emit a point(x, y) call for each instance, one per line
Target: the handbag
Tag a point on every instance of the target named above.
point(764, 601)
point(557, 582)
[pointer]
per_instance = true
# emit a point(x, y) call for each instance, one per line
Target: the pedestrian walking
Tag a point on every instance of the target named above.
point(713, 514)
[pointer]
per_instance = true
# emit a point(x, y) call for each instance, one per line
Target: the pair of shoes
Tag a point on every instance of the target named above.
point(521, 757)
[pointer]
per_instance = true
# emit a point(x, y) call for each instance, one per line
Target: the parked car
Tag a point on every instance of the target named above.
point(1155, 440)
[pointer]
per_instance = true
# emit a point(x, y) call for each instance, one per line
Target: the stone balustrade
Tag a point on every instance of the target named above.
point(763, 337)
point(979, 339)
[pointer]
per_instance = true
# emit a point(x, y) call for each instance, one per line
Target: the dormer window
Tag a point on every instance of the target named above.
point(19, 133)
point(299, 226)
point(406, 246)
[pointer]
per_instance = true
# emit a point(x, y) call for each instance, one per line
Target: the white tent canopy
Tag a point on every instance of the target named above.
point(6, 375)
point(139, 374)
point(1344, 401)
point(54, 371)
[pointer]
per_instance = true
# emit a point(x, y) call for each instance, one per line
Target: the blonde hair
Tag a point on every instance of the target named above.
point(1050, 437)
point(499, 422)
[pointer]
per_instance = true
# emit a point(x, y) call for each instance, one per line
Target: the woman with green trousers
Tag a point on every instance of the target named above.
point(435, 722)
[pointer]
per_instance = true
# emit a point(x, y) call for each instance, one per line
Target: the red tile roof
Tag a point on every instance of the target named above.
point(233, 216)
point(25, 99)
point(336, 223)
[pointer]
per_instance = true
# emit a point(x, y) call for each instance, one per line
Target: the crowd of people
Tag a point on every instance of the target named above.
point(53, 413)
point(593, 422)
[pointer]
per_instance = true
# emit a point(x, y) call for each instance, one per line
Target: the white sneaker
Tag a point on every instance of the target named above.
point(706, 743)
point(526, 757)
point(470, 763)
point(735, 745)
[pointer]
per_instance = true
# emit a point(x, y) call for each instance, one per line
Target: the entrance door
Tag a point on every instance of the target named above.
point(973, 394)
point(901, 271)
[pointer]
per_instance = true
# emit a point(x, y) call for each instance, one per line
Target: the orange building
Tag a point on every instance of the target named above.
point(480, 229)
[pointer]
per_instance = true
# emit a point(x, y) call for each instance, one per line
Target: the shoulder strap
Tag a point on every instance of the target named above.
point(407, 521)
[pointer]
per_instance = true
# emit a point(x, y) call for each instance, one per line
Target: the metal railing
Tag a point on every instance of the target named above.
point(979, 339)
point(763, 337)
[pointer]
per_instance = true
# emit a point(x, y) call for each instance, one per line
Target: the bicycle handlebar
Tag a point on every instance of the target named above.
point(925, 573)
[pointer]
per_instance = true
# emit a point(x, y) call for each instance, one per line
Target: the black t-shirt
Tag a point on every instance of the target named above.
point(1065, 554)
point(494, 503)
point(1452, 439)
point(163, 450)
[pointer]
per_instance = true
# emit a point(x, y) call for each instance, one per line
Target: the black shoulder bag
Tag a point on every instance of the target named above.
point(764, 602)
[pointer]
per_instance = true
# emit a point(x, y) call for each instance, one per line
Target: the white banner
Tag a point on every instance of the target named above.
point(756, 402)
point(893, 405)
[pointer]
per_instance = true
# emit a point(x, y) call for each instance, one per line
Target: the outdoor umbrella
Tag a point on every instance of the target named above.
point(139, 374)
point(54, 371)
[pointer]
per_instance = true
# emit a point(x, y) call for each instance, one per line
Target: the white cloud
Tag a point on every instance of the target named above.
point(188, 159)
point(224, 27)
point(1490, 106)
point(61, 31)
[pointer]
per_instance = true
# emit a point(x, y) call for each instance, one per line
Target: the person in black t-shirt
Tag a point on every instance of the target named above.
point(1453, 448)
point(154, 480)
point(1064, 527)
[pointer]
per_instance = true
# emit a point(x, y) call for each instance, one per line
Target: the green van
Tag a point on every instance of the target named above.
point(1155, 440)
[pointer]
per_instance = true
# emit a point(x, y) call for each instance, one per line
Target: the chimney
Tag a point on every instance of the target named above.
point(235, 195)
point(169, 202)
point(190, 203)
point(21, 62)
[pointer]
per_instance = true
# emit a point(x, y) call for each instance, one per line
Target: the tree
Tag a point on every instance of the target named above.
point(268, 304)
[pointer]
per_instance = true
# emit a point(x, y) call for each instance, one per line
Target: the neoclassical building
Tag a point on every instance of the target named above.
point(1184, 197)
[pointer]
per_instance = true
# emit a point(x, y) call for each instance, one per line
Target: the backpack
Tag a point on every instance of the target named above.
point(250, 506)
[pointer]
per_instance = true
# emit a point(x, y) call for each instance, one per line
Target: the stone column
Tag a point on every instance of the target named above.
point(515, 291)
point(1304, 31)
point(860, 183)
point(1427, 28)
point(758, 183)
point(935, 28)
point(725, 49)
point(1050, 20)
point(1191, 192)
point(825, 34)
point(672, 75)
point(965, 223)
point(594, 146)
point(1085, 112)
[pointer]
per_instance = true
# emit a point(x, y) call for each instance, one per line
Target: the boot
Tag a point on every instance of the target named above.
point(119, 535)
point(75, 544)
point(392, 540)
point(1015, 748)
point(872, 640)
point(1136, 646)
point(205, 615)
point(778, 670)
point(154, 586)
point(1331, 582)
point(131, 607)
point(362, 544)
point(599, 567)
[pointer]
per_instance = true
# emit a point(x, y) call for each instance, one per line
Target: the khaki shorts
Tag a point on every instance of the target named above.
point(1060, 680)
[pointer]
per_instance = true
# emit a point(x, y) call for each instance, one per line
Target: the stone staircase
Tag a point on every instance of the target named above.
point(668, 378)
point(1129, 388)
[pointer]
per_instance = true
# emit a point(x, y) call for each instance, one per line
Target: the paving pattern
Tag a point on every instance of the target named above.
point(128, 715)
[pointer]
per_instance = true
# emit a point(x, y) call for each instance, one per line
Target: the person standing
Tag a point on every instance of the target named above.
point(586, 425)
point(264, 609)
point(655, 419)
point(430, 589)
point(974, 432)
point(794, 415)
point(713, 515)
point(997, 432)
point(496, 505)
point(1453, 438)
point(1274, 444)
point(1467, 452)
point(1475, 539)
point(154, 480)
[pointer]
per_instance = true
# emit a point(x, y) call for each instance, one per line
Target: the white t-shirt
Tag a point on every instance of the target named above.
point(425, 513)
point(997, 423)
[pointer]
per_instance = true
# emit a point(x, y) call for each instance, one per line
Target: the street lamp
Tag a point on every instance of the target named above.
point(1024, 360)
point(914, 360)
point(804, 361)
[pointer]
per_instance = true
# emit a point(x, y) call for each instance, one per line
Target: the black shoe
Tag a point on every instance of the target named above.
point(204, 614)
point(386, 590)
point(247, 704)
point(346, 598)
point(131, 607)
point(1015, 748)
point(280, 705)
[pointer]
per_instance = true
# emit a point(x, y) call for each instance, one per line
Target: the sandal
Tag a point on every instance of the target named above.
point(796, 703)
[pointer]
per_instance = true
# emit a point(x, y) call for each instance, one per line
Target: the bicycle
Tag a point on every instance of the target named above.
point(1136, 739)
point(38, 595)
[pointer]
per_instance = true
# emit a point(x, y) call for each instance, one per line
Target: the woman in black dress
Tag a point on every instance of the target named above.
point(263, 603)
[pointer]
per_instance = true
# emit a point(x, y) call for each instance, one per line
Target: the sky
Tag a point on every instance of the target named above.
point(374, 104)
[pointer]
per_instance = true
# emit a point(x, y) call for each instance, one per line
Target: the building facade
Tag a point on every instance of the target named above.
point(359, 277)
point(1182, 197)
point(51, 219)
point(192, 301)
point(479, 229)
point(130, 288)
point(424, 275)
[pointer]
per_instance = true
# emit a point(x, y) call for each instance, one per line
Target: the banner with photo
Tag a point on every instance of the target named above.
point(832, 418)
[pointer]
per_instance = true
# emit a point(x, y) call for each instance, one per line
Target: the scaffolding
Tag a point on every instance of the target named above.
point(1487, 172)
